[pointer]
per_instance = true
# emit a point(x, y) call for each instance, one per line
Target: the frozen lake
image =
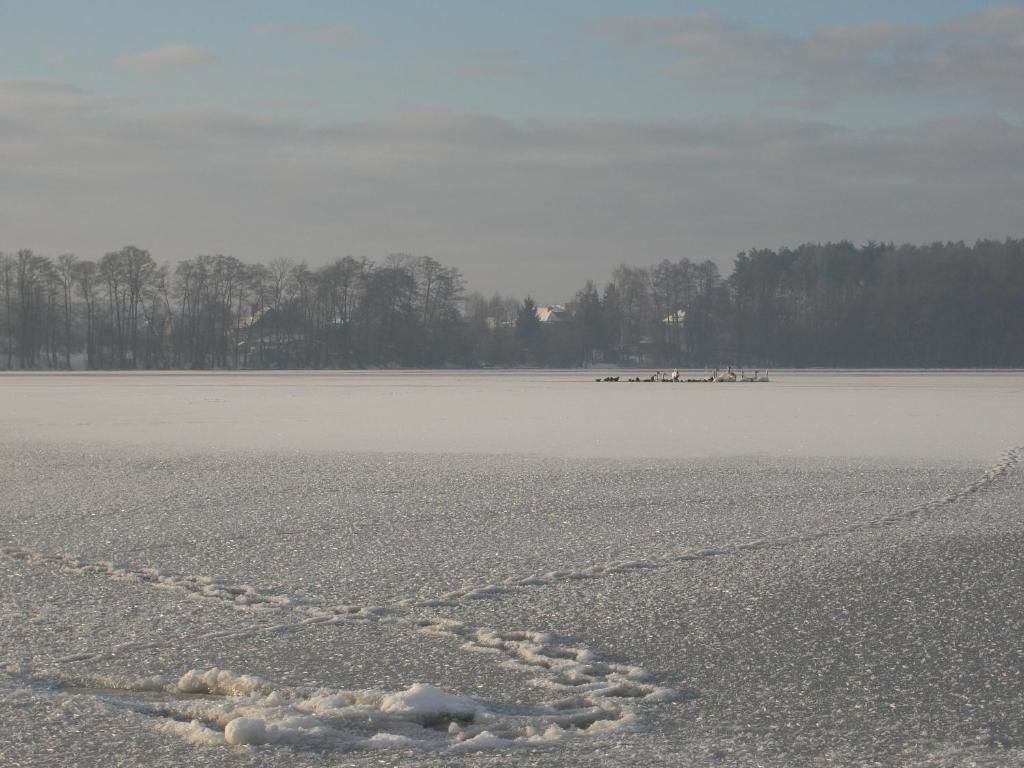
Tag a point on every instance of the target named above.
point(493, 568)
point(897, 415)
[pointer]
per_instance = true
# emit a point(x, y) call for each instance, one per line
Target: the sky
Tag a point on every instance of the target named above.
point(533, 145)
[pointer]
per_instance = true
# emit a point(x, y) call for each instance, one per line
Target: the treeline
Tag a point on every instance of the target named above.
point(944, 304)
point(127, 311)
point(938, 305)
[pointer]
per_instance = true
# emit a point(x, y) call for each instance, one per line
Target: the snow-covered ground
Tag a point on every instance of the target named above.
point(511, 569)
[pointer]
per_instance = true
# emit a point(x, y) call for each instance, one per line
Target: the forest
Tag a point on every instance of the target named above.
point(944, 305)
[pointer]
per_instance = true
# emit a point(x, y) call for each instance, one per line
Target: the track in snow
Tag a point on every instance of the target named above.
point(593, 696)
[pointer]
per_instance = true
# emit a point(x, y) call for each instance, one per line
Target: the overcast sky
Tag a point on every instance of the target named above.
point(531, 144)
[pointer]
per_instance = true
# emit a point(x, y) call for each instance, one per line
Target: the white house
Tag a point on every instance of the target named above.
point(554, 313)
point(674, 327)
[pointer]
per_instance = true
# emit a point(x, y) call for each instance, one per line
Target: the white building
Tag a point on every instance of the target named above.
point(554, 313)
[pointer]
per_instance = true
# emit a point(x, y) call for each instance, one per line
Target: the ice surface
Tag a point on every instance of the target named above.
point(910, 415)
point(510, 569)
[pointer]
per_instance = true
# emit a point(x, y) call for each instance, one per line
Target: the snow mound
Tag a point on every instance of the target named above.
point(483, 740)
point(219, 708)
point(425, 703)
point(194, 732)
point(245, 730)
point(390, 741)
point(219, 682)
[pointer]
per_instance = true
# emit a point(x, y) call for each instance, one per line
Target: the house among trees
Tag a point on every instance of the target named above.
point(833, 304)
point(269, 338)
point(553, 313)
point(674, 330)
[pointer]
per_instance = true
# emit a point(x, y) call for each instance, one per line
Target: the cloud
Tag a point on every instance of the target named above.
point(976, 53)
point(17, 96)
point(324, 35)
point(167, 58)
point(534, 206)
point(492, 65)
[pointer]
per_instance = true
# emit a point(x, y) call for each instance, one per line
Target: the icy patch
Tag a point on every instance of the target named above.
point(590, 696)
point(245, 597)
point(1009, 460)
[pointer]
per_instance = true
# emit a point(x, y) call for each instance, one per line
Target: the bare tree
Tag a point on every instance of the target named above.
point(84, 274)
point(66, 270)
point(7, 278)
